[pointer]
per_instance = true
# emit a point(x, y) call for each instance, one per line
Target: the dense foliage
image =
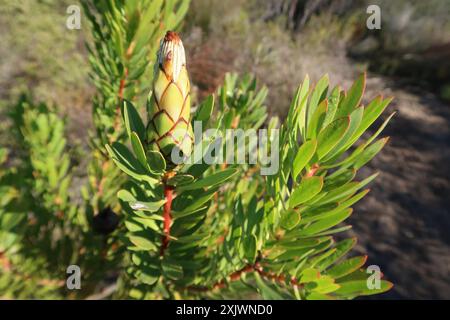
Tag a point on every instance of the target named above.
point(146, 228)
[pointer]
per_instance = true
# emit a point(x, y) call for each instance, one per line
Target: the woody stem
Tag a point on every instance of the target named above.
point(168, 195)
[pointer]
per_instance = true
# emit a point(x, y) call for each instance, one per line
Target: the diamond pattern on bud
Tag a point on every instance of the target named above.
point(169, 110)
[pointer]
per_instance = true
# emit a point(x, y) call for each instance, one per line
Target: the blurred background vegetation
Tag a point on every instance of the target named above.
point(280, 41)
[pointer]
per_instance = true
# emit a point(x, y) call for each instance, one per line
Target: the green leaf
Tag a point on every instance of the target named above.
point(319, 93)
point(147, 276)
point(354, 199)
point(371, 113)
point(333, 102)
point(345, 191)
point(308, 275)
point(147, 206)
point(307, 189)
point(185, 213)
point(205, 109)
point(156, 161)
point(172, 270)
point(346, 267)
point(370, 152)
point(337, 181)
point(304, 154)
point(326, 223)
point(290, 219)
point(333, 231)
point(340, 147)
point(132, 226)
point(300, 244)
point(125, 196)
point(325, 213)
point(317, 119)
point(331, 135)
point(249, 244)
point(360, 288)
point(133, 121)
point(180, 179)
point(299, 109)
point(138, 149)
point(143, 243)
point(265, 290)
point(379, 130)
point(353, 98)
point(191, 203)
point(348, 161)
point(125, 160)
point(212, 180)
point(322, 285)
point(342, 248)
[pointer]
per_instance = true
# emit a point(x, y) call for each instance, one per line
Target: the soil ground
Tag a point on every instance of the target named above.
point(404, 222)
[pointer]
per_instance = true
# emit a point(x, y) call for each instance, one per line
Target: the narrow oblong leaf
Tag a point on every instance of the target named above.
point(346, 267)
point(304, 154)
point(341, 146)
point(371, 113)
point(333, 102)
point(326, 223)
point(212, 180)
point(315, 123)
point(205, 109)
point(369, 153)
point(147, 206)
point(156, 161)
point(337, 181)
point(126, 161)
point(180, 179)
point(171, 269)
point(346, 190)
point(342, 248)
point(250, 247)
point(353, 98)
point(307, 189)
point(361, 288)
point(143, 243)
point(319, 93)
point(330, 136)
point(138, 149)
point(133, 121)
point(299, 112)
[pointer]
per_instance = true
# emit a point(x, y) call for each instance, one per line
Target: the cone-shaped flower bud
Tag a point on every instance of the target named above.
point(169, 109)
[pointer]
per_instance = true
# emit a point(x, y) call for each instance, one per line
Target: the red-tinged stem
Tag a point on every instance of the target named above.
point(120, 96)
point(122, 85)
point(248, 268)
point(168, 194)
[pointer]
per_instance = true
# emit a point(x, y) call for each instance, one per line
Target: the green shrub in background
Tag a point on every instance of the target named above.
point(149, 229)
point(44, 227)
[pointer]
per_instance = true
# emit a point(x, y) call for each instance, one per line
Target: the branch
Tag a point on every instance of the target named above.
point(256, 267)
point(168, 195)
point(120, 96)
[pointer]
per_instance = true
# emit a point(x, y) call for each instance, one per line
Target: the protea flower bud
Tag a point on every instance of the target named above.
point(169, 110)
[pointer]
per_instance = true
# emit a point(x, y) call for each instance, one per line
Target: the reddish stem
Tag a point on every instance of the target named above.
point(122, 85)
point(168, 194)
point(120, 96)
point(248, 268)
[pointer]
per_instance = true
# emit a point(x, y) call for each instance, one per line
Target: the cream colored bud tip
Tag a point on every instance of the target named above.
point(171, 56)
